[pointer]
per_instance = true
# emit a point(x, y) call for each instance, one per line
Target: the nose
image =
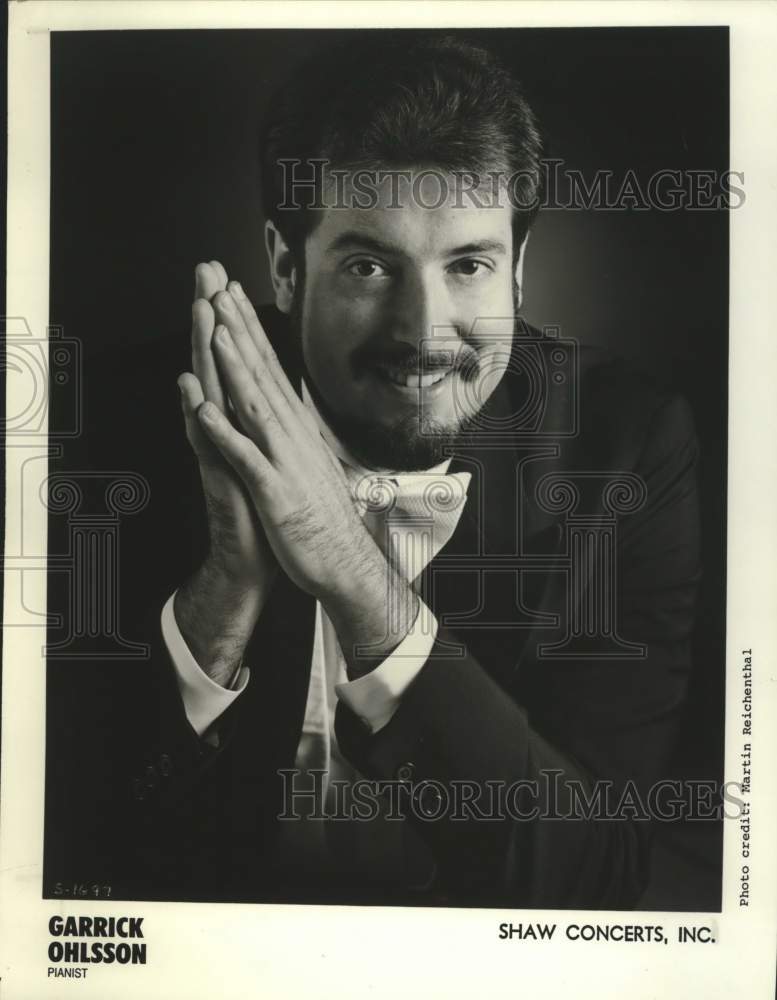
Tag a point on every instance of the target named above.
point(422, 309)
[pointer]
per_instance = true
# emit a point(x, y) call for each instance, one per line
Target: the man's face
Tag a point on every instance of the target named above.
point(397, 323)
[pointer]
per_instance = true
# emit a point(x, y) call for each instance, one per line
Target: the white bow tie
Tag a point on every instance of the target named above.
point(411, 516)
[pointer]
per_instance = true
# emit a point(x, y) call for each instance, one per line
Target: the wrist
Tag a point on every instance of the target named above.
point(216, 616)
point(372, 612)
point(234, 577)
point(354, 572)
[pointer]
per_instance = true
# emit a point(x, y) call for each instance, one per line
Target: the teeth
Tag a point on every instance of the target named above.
point(413, 381)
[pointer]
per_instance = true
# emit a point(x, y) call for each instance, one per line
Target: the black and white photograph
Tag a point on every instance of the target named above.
point(375, 513)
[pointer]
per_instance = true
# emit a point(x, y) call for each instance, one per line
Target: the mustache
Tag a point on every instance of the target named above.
point(409, 360)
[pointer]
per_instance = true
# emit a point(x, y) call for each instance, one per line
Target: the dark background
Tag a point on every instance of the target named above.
point(154, 152)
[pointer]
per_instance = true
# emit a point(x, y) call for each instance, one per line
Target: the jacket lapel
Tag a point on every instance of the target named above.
point(471, 585)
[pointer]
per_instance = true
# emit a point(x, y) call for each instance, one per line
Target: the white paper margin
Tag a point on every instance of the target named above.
point(235, 951)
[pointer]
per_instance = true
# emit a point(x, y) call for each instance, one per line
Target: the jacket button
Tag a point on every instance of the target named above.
point(405, 772)
point(429, 800)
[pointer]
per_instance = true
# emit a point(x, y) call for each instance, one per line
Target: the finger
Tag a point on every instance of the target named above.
point(203, 362)
point(273, 393)
point(229, 315)
point(250, 318)
point(221, 274)
point(242, 454)
point(191, 399)
point(206, 282)
point(257, 416)
point(236, 369)
point(192, 396)
point(263, 345)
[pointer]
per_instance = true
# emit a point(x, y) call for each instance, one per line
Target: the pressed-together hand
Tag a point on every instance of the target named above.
point(237, 543)
point(218, 607)
point(299, 490)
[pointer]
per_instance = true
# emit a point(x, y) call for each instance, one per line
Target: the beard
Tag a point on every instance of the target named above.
point(415, 441)
point(412, 443)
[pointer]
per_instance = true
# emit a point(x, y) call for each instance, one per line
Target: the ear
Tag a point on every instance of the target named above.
point(282, 269)
point(518, 275)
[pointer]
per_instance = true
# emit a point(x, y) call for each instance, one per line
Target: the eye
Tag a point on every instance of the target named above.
point(367, 269)
point(469, 267)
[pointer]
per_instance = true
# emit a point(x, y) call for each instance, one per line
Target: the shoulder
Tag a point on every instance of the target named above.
point(607, 410)
point(629, 411)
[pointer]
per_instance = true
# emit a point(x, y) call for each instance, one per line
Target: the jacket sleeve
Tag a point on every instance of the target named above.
point(202, 810)
point(552, 735)
point(136, 801)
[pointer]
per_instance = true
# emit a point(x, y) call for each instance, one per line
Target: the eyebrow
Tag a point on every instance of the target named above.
point(354, 239)
point(479, 246)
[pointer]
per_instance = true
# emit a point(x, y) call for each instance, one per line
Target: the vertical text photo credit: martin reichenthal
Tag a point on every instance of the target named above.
point(390, 553)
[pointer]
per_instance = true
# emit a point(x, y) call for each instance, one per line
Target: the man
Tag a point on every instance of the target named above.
point(324, 638)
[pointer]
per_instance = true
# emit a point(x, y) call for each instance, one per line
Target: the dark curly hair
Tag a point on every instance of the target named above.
point(397, 100)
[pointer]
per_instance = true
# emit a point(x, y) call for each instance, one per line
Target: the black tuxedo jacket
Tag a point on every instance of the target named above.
point(137, 801)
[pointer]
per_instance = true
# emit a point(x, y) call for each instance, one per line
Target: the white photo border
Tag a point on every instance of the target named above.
point(237, 950)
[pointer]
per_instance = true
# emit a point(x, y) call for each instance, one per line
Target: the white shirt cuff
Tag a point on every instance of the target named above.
point(203, 699)
point(376, 696)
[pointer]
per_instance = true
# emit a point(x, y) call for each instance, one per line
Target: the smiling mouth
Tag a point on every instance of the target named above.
point(414, 380)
